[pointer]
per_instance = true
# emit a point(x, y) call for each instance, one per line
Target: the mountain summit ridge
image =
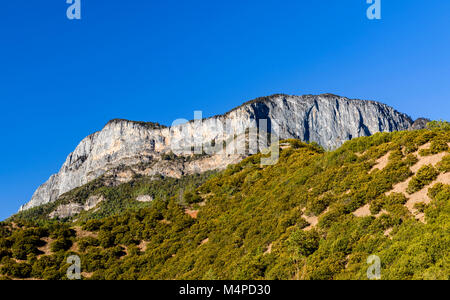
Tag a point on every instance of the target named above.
point(327, 119)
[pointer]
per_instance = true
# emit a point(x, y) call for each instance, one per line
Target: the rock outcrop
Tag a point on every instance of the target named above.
point(72, 209)
point(326, 119)
point(420, 123)
point(144, 198)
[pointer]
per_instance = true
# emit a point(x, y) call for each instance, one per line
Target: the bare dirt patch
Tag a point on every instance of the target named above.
point(428, 160)
point(192, 213)
point(382, 162)
point(86, 274)
point(359, 154)
point(143, 246)
point(422, 195)
point(388, 232)
point(423, 147)
point(46, 248)
point(400, 187)
point(83, 233)
point(363, 211)
point(312, 220)
point(382, 212)
point(423, 160)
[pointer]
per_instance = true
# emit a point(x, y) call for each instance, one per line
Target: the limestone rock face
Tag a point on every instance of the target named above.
point(326, 119)
point(72, 209)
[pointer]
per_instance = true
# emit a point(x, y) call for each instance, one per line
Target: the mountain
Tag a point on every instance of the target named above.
point(141, 148)
point(315, 214)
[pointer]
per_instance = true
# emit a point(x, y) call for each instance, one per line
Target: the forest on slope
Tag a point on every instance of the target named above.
point(314, 215)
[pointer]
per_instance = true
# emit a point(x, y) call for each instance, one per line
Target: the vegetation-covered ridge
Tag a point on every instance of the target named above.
point(313, 215)
point(116, 198)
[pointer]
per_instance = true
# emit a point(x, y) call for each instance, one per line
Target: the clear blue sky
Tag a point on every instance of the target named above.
point(61, 80)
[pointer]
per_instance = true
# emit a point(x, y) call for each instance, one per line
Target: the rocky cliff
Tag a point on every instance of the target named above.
point(326, 119)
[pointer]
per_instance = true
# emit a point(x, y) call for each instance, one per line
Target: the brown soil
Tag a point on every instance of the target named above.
point(313, 220)
point(382, 162)
point(422, 195)
point(46, 248)
point(82, 233)
point(428, 160)
point(269, 249)
point(86, 274)
point(192, 213)
point(143, 246)
point(363, 211)
point(388, 232)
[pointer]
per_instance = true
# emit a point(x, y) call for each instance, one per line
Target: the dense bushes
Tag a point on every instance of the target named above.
point(424, 176)
point(61, 244)
point(16, 270)
point(251, 221)
point(444, 165)
point(120, 198)
point(192, 197)
point(302, 243)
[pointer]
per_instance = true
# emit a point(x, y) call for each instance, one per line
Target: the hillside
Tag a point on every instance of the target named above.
point(316, 214)
point(328, 120)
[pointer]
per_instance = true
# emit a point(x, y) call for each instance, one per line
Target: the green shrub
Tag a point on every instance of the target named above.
point(444, 165)
point(61, 244)
point(424, 176)
point(24, 244)
point(438, 145)
point(435, 189)
point(92, 225)
point(15, 270)
point(411, 160)
point(396, 198)
point(420, 206)
point(425, 152)
point(396, 155)
point(248, 207)
point(438, 125)
point(304, 243)
point(377, 204)
point(411, 148)
point(86, 242)
point(192, 197)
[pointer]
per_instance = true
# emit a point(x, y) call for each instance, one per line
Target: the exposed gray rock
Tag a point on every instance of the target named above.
point(72, 209)
point(420, 123)
point(326, 119)
point(144, 198)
